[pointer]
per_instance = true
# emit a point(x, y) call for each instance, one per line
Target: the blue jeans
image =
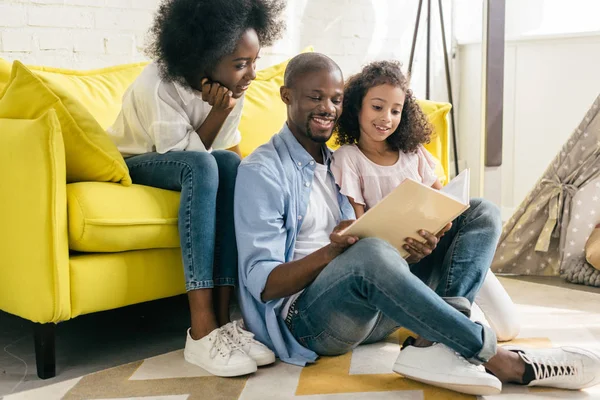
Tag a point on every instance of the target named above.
point(369, 291)
point(206, 231)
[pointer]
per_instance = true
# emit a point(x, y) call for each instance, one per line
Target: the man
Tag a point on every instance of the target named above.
point(307, 290)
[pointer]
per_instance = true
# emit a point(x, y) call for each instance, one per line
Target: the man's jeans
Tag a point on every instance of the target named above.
point(369, 291)
point(206, 230)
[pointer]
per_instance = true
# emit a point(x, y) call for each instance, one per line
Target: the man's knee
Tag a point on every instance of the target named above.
point(375, 257)
point(488, 214)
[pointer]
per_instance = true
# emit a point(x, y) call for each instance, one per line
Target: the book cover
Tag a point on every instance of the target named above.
point(411, 207)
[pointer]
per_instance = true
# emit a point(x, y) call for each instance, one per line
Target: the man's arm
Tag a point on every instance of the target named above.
point(292, 277)
point(261, 237)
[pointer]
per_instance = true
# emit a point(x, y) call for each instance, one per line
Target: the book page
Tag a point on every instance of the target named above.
point(458, 188)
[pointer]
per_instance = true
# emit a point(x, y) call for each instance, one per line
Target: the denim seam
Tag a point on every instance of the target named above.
point(327, 327)
point(224, 282)
point(451, 269)
point(451, 338)
point(387, 333)
point(195, 285)
point(390, 297)
point(189, 244)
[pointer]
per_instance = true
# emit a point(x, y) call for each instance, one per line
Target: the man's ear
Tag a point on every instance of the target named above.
point(286, 95)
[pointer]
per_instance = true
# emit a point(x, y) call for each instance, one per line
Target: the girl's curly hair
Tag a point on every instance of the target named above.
point(413, 130)
point(189, 37)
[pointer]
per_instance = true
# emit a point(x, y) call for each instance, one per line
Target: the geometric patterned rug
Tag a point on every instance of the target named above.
point(360, 375)
point(364, 374)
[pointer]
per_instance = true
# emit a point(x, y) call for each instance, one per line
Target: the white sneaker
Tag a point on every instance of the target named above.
point(564, 367)
point(217, 354)
point(439, 365)
point(260, 353)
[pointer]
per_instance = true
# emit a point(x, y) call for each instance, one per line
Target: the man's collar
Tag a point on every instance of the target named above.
point(299, 155)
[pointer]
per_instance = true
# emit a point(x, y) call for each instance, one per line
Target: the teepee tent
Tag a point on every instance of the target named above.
point(533, 240)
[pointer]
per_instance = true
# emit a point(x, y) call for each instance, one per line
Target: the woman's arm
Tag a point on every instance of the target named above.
point(222, 102)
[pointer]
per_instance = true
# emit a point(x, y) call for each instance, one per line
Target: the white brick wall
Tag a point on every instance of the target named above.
point(84, 34)
point(77, 34)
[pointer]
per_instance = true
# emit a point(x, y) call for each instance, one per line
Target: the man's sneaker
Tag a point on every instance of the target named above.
point(564, 367)
point(217, 354)
point(438, 365)
point(245, 340)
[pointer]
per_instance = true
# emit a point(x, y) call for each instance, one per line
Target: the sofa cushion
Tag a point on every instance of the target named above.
point(99, 90)
point(107, 217)
point(89, 152)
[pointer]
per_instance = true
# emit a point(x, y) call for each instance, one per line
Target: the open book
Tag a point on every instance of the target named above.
point(411, 207)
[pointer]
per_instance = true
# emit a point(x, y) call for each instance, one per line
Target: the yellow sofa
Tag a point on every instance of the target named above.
point(75, 242)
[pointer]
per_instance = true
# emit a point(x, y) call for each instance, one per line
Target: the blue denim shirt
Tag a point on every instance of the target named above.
point(271, 198)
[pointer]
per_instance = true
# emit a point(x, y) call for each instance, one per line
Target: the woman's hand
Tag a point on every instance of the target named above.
point(418, 251)
point(217, 95)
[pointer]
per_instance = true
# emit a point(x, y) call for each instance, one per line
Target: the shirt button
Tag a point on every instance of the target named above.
point(299, 217)
point(312, 163)
point(299, 164)
point(306, 184)
point(295, 311)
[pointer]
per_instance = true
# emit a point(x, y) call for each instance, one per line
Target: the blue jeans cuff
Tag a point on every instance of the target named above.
point(195, 285)
point(225, 282)
point(489, 349)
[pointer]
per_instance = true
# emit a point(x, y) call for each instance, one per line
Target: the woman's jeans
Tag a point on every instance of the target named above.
point(369, 291)
point(206, 230)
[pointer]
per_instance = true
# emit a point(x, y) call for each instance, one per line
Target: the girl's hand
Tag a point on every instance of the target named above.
point(217, 96)
point(418, 251)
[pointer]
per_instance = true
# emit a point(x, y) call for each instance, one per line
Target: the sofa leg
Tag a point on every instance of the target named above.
point(45, 351)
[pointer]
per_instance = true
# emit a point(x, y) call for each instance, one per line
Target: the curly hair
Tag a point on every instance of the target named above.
point(189, 37)
point(413, 130)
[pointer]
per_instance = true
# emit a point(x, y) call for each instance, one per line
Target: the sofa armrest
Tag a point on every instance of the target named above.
point(34, 253)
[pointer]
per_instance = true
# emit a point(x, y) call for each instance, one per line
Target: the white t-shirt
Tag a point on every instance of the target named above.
point(161, 116)
point(322, 215)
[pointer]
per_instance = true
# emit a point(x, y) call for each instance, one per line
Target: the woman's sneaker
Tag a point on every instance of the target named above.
point(439, 365)
point(563, 368)
point(217, 354)
point(245, 340)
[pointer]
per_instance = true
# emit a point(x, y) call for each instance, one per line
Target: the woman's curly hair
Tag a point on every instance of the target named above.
point(413, 130)
point(189, 37)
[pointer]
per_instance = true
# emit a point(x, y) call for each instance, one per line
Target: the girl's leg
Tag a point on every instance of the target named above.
point(226, 271)
point(195, 175)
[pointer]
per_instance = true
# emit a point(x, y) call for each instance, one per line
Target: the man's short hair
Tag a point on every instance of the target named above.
point(305, 63)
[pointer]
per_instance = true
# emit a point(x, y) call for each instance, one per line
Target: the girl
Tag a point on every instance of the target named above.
point(382, 131)
point(178, 129)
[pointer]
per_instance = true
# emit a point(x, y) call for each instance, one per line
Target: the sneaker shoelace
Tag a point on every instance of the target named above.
point(551, 368)
point(239, 336)
point(222, 344)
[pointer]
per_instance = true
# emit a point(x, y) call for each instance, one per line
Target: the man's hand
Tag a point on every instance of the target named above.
point(217, 96)
point(338, 242)
point(417, 251)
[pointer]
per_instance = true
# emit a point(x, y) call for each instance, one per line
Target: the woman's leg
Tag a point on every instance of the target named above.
point(226, 271)
point(195, 175)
